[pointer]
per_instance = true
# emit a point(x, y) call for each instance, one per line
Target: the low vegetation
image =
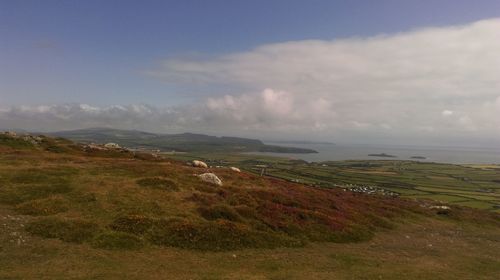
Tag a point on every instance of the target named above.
point(113, 240)
point(466, 185)
point(158, 183)
point(112, 201)
point(69, 230)
point(43, 207)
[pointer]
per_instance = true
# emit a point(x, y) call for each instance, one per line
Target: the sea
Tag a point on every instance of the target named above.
point(454, 155)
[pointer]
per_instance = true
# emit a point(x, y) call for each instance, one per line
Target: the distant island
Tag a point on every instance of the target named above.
point(184, 142)
point(418, 157)
point(382, 155)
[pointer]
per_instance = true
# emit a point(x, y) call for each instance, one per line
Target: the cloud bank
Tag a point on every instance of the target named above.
point(435, 83)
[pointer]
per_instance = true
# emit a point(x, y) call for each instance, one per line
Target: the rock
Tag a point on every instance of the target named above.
point(235, 169)
point(199, 163)
point(441, 207)
point(210, 178)
point(112, 146)
point(34, 140)
point(93, 147)
point(11, 134)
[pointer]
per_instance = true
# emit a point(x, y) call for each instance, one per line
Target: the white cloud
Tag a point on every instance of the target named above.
point(388, 85)
point(389, 81)
point(447, 113)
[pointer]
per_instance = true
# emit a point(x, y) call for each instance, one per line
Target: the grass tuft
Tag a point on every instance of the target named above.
point(220, 211)
point(43, 207)
point(220, 235)
point(22, 193)
point(15, 143)
point(135, 224)
point(158, 183)
point(117, 241)
point(74, 230)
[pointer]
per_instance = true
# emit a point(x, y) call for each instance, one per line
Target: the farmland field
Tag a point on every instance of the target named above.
point(475, 186)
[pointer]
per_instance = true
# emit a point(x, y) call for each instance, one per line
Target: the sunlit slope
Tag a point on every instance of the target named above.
point(74, 211)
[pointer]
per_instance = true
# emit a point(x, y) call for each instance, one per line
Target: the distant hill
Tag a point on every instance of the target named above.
point(303, 142)
point(186, 142)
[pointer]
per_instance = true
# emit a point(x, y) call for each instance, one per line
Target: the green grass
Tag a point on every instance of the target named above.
point(462, 185)
point(158, 183)
point(136, 224)
point(15, 142)
point(117, 241)
point(251, 228)
point(43, 207)
point(69, 230)
point(218, 235)
point(20, 193)
point(219, 212)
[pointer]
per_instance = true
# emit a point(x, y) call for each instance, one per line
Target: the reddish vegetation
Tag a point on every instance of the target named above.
point(162, 202)
point(306, 212)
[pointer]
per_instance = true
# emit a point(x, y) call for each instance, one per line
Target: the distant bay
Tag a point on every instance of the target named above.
point(455, 155)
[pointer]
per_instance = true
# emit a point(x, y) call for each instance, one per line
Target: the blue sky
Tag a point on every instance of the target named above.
point(96, 51)
point(425, 71)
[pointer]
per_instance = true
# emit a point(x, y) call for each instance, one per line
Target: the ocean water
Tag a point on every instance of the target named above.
point(456, 155)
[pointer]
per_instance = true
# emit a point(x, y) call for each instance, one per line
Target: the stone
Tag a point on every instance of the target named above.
point(235, 169)
point(199, 163)
point(112, 146)
point(210, 178)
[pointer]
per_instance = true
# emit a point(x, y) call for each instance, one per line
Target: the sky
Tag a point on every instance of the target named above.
point(392, 72)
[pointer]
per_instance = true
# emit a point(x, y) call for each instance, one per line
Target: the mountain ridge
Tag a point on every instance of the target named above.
point(186, 142)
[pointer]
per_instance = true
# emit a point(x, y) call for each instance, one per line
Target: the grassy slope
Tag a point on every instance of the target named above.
point(69, 214)
point(474, 186)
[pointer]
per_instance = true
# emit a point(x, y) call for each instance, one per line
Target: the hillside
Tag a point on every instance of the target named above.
point(475, 185)
point(185, 142)
point(97, 212)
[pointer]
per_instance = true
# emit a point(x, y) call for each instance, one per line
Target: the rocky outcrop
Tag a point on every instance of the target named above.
point(112, 146)
point(34, 140)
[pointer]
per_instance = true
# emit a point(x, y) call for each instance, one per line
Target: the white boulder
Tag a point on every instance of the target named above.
point(442, 207)
point(199, 163)
point(235, 169)
point(210, 178)
point(111, 146)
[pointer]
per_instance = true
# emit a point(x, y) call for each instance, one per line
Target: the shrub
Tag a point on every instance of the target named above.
point(41, 176)
point(85, 197)
point(355, 233)
point(42, 207)
point(158, 183)
point(220, 235)
point(136, 224)
point(74, 230)
point(22, 193)
point(56, 149)
point(117, 241)
point(381, 222)
point(220, 211)
point(245, 211)
point(15, 143)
